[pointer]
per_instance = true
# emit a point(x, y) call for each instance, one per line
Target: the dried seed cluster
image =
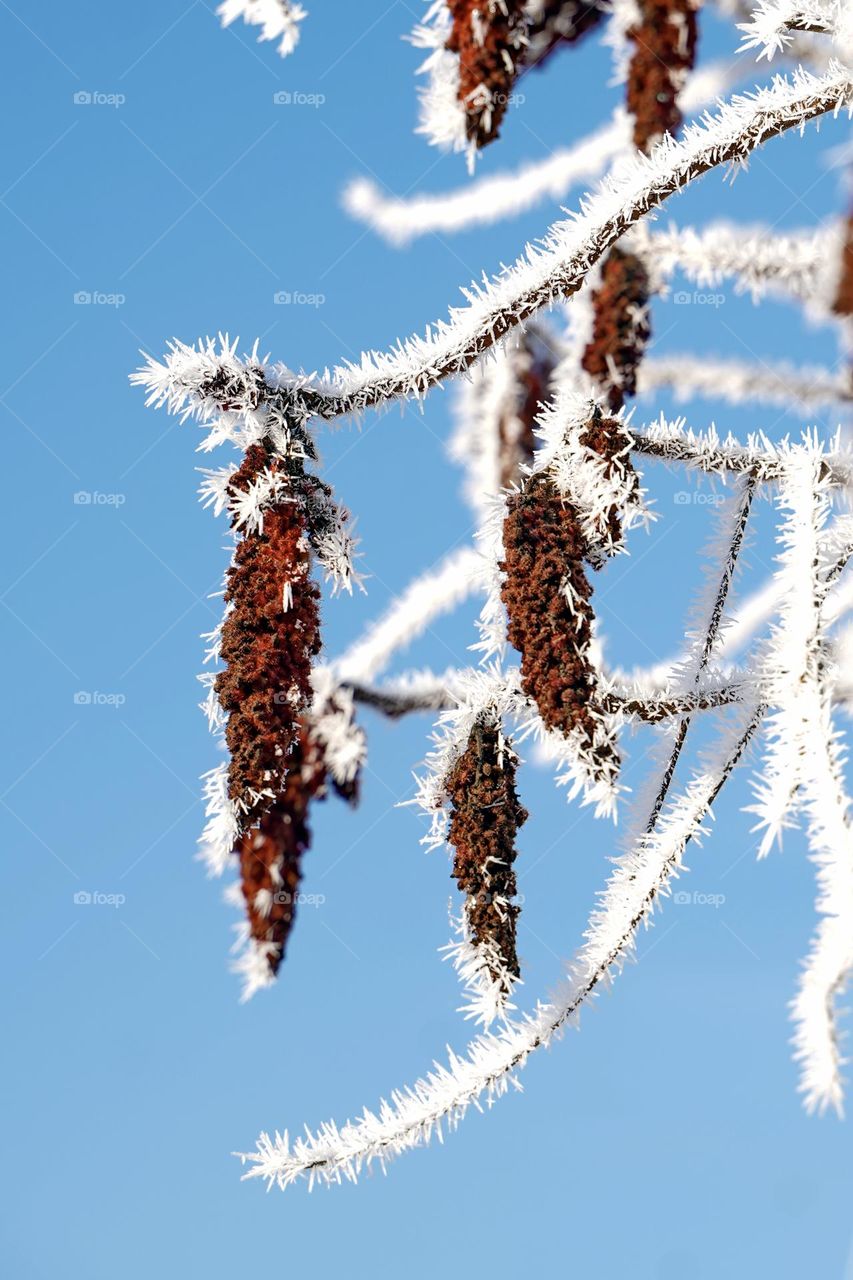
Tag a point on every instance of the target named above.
point(487, 38)
point(270, 853)
point(621, 327)
point(270, 636)
point(547, 597)
point(485, 818)
point(664, 51)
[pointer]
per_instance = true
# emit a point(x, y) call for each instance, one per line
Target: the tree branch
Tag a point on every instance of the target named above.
point(555, 269)
point(335, 1153)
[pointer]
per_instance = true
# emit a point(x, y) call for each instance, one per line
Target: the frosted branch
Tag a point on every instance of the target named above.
point(426, 598)
point(795, 265)
point(555, 269)
point(485, 1072)
point(817, 1040)
point(773, 22)
point(790, 664)
point(427, 692)
point(505, 195)
point(806, 389)
point(707, 451)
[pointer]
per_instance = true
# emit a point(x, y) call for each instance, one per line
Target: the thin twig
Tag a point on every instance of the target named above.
point(714, 623)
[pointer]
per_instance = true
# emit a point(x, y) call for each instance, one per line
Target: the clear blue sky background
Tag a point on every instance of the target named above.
point(666, 1139)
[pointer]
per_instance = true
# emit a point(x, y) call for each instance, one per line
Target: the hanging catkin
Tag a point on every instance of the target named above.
point(487, 38)
point(664, 50)
point(485, 818)
point(621, 327)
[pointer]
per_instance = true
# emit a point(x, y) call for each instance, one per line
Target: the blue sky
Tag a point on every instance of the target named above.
point(665, 1140)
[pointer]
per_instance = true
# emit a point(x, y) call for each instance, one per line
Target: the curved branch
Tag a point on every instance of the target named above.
point(706, 451)
point(771, 23)
point(395, 701)
point(488, 1068)
point(547, 272)
point(435, 592)
point(401, 219)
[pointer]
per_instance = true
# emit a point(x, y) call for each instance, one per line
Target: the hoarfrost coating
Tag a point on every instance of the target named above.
point(559, 473)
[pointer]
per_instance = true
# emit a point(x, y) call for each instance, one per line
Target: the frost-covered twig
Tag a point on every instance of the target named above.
point(773, 21)
point(707, 451)
point(801, 389)
point(826, 971)
point(278, 19)
point(553, 270)
point(505, 195)
point(803, 770)
point(412, 1116)
point(762, 262)
point(426, 692)
point(793, 659)
point(704, 637)
point(435, 592)
point(747, 617)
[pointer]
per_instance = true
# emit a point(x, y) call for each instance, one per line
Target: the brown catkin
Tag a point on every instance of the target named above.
point(270, 853)
point(543, 568)
point(547, 593)
point(664, 51)
point(485, 818)
point(843, 302)
point(270, 636)
point(664, 42)
point(486, 36)
point(621, 327)
point(267, 648)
